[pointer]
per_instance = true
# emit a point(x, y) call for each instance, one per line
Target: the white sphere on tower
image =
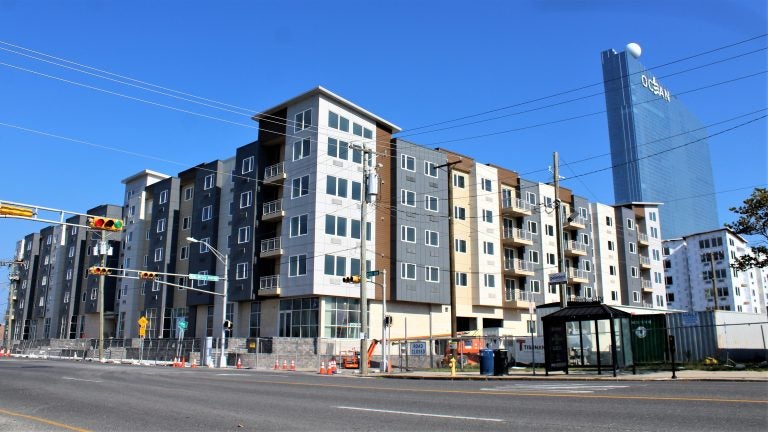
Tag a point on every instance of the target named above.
point(634, 49)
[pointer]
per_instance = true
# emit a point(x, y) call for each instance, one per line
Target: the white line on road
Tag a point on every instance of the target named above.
point(564, 388)
point(80, 379)
point(420, 414)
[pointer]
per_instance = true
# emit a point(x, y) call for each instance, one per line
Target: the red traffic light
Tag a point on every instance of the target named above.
point(147, 275)
point(100, 271)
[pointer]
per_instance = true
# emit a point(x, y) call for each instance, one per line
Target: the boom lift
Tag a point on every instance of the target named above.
point(351, 359)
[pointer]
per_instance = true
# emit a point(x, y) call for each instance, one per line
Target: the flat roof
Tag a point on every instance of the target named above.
point(144, 173)
point(321, 91)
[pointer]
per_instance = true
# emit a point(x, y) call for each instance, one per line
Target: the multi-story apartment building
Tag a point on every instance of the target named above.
point(650, 131)
point(699, 264)
point(455, 236)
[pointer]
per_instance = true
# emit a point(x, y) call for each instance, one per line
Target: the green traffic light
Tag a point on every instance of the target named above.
point(118, 224)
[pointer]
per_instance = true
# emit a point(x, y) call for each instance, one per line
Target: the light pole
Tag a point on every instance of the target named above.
point(224, 260)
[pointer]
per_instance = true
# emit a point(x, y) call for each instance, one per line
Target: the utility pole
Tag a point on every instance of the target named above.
point(559, 228)
point(714, 283)
point(451, 265)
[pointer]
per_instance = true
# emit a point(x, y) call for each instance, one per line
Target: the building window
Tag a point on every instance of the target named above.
point(535, 286)
point(247, 165)
point(335, 265)
point(654, 232)
point(300, 187)
point(336, 186)
point(255, 320)
point(460, 245)
point(489, 280)
point(336, 225)
point(355, 230)
point(608, 221)
point(633, 272)
point(407, 163)
point(585, 239)
point(207, 213)
point(408, 271)
point(338, 149)
point(183, 255)
point(297, 265)
point(487, 216)
point(188, 193)
point(636, 296)
point(302, 120)
point(430, 203)
point(461, 279)
point(407, 198)
point(612, 270)
point(342, 318)
point(298, 225)
point(630, 224)
point(533, 227)
point(430, 169)
point(533, 256)
point(71, 251)
point(241, 272)
point(432, 274)
point(459, 213)
point(244, 234)
point(407, 233)
point(551, 260)
point(611, 245)
point(246, 199)
point(486, 185)
point(549, 230)
point(531, 198)
point(458, 181)
point(161, 225)
point(488, 248)
point(158, 254)
point(204, 245)
point(163, 197)
point(301, 149)
point(587, 266)
point(186, 222)
point(208, 182)
point(652, 216)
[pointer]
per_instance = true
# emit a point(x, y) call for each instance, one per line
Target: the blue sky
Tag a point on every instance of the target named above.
point(414, 63)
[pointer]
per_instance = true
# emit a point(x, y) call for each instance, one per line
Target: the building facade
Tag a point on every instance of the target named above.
point(655, 138)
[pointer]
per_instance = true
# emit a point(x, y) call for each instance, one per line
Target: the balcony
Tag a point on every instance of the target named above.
point(273, 210)
point(647, 285)
point(518, 267)
point(274, 174)
point(642, 239)
point(575, 248)
point(517, 237)
point(269, 285)
point(577, 276)
point(271, 247)
point(520, 299)
point(575, 222)
point(645, 262)
point(516, 206)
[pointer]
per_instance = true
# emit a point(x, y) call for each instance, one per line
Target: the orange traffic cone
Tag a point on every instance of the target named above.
point(183, 362)
point(239, 363)
point(277, 364)
point(285, 364)
point(293, 366)
point(322, 368)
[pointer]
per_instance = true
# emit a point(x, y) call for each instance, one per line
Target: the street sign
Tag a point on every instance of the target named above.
point(418, 348)
point(143, 321)
point(372, 273)
point(557, 278)
point(204, 277)
point(182, 324)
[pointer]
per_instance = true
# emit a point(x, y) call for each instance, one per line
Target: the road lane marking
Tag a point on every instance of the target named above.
point(81, 379)
point(420, 414)
point(43, 420)
point(555, 388)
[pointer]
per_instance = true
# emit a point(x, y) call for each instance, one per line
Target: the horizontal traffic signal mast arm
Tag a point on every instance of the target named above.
point(9, 209)
point(143, 274)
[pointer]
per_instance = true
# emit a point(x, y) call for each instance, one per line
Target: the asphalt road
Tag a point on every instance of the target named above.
point(50, 395)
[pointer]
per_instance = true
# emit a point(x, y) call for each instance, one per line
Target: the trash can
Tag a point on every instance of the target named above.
point(500, 362)
point(486, 362)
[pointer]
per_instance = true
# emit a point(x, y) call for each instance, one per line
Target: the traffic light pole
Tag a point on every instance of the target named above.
point(103, 252)
point(364, 269)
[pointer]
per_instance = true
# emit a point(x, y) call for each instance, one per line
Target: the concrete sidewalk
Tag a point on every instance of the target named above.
point(590, 375)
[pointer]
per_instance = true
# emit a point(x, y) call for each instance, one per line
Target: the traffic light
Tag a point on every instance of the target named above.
point(105, 223)
point(7, 210)
point(147, 275)
point(387, 320)
point(228, 325)
point(351, 279)
point(100, 271)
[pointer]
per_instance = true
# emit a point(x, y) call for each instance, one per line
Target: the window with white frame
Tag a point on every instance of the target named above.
point(188, 193)
point(488, 248)
point(407, 163)
point(430, 169)
point(355, 230)
point(338, 149)
point(208, 182)
point(161, 225)
point(241, 272)
point(408, 233)
point(549, 230)
point(297, 265)
point(608, 221)
point(487, 216)
point(207, 213)
point(71, 252)
point(633, 272)
point(459, 213)
point(632, 247)
point(204, 245)
point(247, 165)
point(489, 280)
point(459, 181)
point(530, 197)
point(611, 245)
point(301, 149)
point(533, 227)
point(408, 271)
point(430, 203)
point(587, 266)
point(163, 197)
point(300, 187)
point(533, 256)
point(202, 282)
point(246, 199)
point(535, 286)
point(636, 296)
point(407, 198)
point(652, 216)
point(336, 186)
point(186, 223)
point(244, 234)
point(630, 224)
point(302, 120)
point(184, 253)
point(612, 270)
point(335, 265)
point(356, 191)
point(158, 254)
point(69, 274)
point(432, 274)
point(460, 245)
point(486, 184)
point(461, 279)
point(551, 260)
point(298, 225)
point(336, 225)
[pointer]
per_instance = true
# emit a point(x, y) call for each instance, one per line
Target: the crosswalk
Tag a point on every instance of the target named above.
point(571, 388)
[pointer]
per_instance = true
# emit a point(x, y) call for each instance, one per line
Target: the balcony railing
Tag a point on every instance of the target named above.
point(518, 235)
point(575, 247)
point(269, 282)
point(576, 222)
point(516, 205)
point(271, 245)
point(645, 261)
point(273, 208)
point(642, 238)
point(518, 265)
point(646, 284)
point(276, 170)
point(574, 273)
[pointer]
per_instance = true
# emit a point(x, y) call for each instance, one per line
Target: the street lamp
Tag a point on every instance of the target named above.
point(224, 260)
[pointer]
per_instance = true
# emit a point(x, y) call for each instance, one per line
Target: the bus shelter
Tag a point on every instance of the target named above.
point(587, 335)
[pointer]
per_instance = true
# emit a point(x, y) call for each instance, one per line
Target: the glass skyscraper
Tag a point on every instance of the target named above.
point(659, 150)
